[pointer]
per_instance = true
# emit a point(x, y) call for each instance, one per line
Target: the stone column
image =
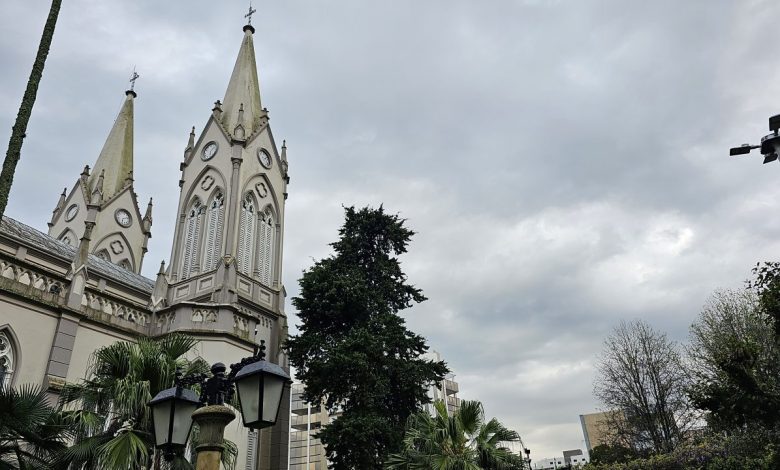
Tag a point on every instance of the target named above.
point(211, 421)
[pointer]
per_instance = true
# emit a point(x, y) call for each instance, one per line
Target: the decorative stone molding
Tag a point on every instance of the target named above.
point(165, 319)
point(203, 315)
point(240, 323)
point(112, 308)
point(34, 279)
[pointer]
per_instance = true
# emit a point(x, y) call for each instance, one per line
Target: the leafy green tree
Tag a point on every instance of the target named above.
point(19, 130)
point(735, 363)
point(463, 441)
point(767, 286)
point(32, 433)
point(353, 350)
point(108, 411)
point(611, 454)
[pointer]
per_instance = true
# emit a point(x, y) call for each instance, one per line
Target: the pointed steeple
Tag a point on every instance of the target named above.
point(243, 90)
point(116, 158)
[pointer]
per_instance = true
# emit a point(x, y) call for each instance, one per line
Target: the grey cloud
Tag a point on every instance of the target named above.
point(563, 162)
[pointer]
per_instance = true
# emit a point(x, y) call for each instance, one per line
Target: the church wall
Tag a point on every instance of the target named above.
point(76, 225)
point(88, 339)
point(107, 231)
point(34, 329)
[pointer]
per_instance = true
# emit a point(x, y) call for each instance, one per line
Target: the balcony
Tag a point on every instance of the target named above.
point(450, 387)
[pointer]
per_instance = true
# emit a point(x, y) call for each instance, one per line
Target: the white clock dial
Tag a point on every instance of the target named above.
point(209, 151)
point(71, 212)
point(264, 157)
point(123, 218)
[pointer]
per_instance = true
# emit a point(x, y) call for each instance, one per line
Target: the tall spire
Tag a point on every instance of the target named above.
point(243, 89)
point(116, 159)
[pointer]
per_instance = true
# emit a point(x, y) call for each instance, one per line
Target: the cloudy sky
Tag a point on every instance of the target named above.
point(565, 163)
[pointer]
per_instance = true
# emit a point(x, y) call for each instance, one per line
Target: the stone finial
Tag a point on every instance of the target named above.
point(97, 193)
point(147, 220)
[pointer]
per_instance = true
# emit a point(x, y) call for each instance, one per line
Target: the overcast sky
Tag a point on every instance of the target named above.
point(565, 163)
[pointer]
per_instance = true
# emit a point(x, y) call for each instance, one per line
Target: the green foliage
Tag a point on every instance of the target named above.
point(767, 285)
point(19, 129)
point(463, 441)
point(32, 433)
point(735, 363)
point(749, 449)
point(611, 454)
point(353, 350)
point(108, 411)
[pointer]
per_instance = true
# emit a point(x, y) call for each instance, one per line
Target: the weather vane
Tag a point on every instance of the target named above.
point(133, 78)
point(252, 11)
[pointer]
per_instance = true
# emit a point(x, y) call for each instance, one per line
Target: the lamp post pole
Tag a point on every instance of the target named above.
point(260, 387)
point(211, 421)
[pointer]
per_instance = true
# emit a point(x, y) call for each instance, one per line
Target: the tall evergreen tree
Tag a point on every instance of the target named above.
point(354, 351)
point(25, 109)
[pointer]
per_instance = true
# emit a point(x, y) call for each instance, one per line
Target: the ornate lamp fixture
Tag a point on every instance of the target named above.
point(260, 386)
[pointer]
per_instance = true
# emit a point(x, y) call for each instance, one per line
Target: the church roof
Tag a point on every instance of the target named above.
point(29, 236)
point(243, 91)
point(116, 158)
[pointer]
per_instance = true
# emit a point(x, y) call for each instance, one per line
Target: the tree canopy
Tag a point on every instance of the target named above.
point(354, 351)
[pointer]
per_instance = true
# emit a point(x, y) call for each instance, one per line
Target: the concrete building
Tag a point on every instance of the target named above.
point(595, 429)
point(306, 451)
point(68, 292)
point(570, 459)
point(446, 390)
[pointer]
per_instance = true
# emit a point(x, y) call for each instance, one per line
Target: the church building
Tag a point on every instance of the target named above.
point(77, 287)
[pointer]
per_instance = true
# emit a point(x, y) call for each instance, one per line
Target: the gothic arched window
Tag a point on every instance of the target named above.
point(6, 359)
point(246, 235)
point(103, 254)
point(265, 247)
point(191, 238)
point(214, 221)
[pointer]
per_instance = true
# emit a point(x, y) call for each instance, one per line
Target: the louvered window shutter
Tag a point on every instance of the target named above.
point(251, 450)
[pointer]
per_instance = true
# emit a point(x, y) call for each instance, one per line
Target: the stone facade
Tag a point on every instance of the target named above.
point(66, 293)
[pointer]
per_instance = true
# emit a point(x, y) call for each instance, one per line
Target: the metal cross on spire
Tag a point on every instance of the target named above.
point(251, 12)
point(133, 78)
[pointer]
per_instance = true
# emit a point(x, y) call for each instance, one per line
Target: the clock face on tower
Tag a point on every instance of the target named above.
point(264, 157)
point(209, 151)
point(123, 218)
point(71, 212)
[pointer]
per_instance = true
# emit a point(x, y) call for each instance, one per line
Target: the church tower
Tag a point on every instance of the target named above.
point(102, 204)
point(223, 283)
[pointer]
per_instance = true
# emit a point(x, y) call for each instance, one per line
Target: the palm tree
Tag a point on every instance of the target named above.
point(463, 441)
point(109, 412)
point(25, 109)
point(32, 433)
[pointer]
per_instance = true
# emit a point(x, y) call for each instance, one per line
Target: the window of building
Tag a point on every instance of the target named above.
point(265, 247)
point(6, 359)
point(214, 224)
point(103, 254)
point(191, 239)
point(246, 235)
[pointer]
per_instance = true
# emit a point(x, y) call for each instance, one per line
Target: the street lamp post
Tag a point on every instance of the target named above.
point(770, 143)
point(259, 384)
point(528, 457)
